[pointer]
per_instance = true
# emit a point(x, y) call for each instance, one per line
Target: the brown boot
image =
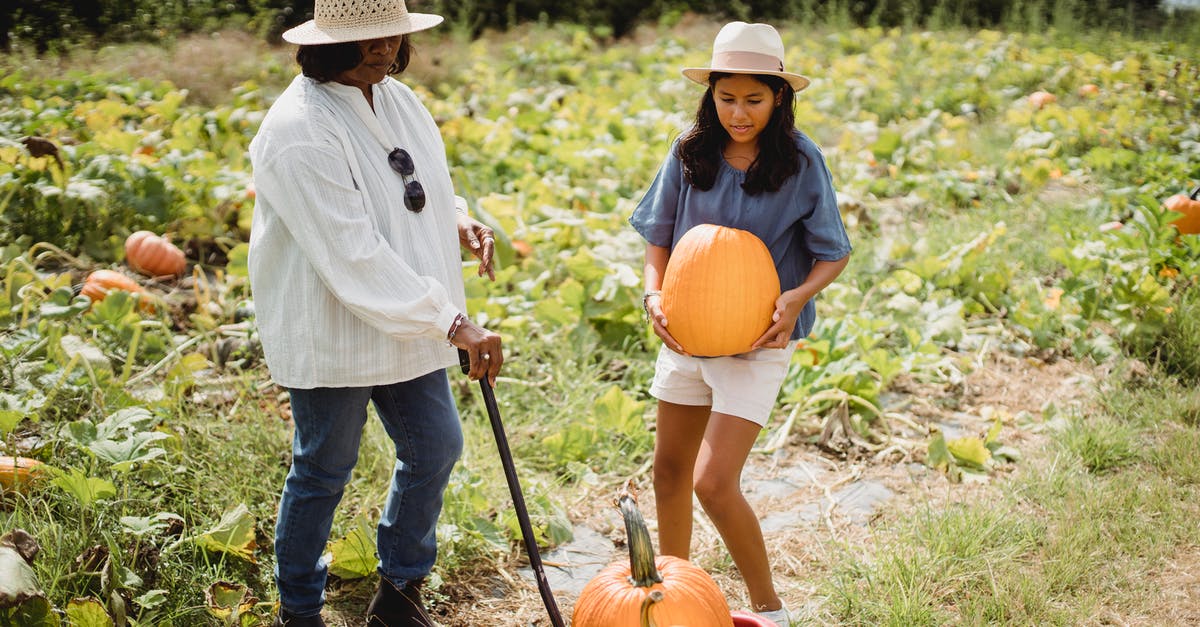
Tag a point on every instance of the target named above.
point(398, 607)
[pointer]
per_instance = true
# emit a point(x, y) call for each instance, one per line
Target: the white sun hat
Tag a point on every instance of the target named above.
point(337, 21)
point(742, 48)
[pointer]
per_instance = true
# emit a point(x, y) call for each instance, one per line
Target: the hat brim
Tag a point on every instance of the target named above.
point(700, 75)
point(308, 34)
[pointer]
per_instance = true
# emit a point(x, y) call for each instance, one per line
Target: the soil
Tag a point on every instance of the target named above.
point(814, 501)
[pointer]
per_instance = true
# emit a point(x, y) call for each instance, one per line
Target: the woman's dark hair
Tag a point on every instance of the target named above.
point(778, 158)
point(324, 62)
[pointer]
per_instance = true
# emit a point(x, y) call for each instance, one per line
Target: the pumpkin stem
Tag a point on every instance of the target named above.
point(654, 597)
point(642, 571)
point(1196, 193)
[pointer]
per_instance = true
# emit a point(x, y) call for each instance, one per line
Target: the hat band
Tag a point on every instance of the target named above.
point(743, 60)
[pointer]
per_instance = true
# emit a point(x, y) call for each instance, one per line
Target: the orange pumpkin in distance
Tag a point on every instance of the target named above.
point(1188, 205)
point(17, 472)
point(647, 590)
point(98, 284)
point(719, 290)
point(153, 255)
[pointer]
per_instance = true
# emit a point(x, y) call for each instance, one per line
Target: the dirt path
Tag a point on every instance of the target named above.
point(811, 501)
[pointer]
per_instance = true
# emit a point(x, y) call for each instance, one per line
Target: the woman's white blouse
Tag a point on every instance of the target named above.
point(351, 288)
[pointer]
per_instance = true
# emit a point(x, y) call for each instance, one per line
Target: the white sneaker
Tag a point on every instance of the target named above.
point(780, 616)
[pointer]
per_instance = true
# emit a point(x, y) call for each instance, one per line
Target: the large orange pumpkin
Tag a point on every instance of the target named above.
point(153, 255)
point(17, 472)
point(719, 290)
point(648, 591)
point(1188, 205)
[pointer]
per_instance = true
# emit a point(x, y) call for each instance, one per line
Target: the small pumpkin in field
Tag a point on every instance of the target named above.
point(99, 283)
point(1189, 206)
point(719, 290)
point(154, 255)
point(17, 472)
point(649, 591)
point(1040, 99)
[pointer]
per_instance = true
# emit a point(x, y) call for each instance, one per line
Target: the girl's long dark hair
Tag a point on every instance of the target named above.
point(778, 158)
point(324, 62)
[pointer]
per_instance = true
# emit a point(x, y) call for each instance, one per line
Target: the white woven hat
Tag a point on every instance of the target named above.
point(337, 21)
point(742, 48)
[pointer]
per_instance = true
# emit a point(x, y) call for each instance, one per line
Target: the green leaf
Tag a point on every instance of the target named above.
point(231, 602)
point(233, 534)
point(939, 457)
point(14, 409)
point(87, 613)
point(123, 439)
point(353, 556)
point(617, 411)
point(238, 264)
point(970, 451)
point(886, 145)
point(36, 612)
point(87, 490)
point(151, 599)
point(993, 433)
point(75, 346)
point(145, 525)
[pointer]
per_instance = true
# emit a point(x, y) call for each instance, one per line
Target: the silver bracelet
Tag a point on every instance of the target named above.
point(458, 321)
point(646, 302)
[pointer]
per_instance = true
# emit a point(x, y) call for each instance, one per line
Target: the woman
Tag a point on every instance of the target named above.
point(743, 164)
point(357, 280)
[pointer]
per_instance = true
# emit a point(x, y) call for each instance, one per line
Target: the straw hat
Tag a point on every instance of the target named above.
point(742, 48)
point(337, 21)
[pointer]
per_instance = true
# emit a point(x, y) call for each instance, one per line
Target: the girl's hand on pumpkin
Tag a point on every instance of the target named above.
point(481, 241)
point(658, 321)
point(483, 347)
point(783, 322)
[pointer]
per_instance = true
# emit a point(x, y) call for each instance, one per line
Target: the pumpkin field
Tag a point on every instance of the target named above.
point(1013, 351)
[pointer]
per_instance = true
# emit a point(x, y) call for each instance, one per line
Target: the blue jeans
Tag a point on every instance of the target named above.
point(421, 419)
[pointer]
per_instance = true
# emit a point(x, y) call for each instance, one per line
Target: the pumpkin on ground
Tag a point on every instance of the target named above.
point(719, 290)
point(17, 472)
point(649, 591)
point(1189, 206)
point(1040, 99)
point(153, 255)
point(100, 282)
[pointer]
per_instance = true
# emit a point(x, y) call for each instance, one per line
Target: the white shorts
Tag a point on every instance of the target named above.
point(744, 385)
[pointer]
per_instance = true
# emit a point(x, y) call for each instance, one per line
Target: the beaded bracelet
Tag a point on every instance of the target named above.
point(458, 321)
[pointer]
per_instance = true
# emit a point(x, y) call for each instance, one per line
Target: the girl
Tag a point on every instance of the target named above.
point(742, 165)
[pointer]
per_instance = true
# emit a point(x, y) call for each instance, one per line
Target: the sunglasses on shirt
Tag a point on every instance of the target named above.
point(414, 194)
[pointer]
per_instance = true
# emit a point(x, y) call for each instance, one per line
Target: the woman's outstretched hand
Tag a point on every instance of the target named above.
point(478, 238)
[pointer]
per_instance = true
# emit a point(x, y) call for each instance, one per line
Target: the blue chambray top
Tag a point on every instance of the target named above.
point(800, 223)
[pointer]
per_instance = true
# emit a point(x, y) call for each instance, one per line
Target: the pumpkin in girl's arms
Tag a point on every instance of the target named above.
point(153, 255)
point(719, 290)
point(648, 591)
point(1188, 205)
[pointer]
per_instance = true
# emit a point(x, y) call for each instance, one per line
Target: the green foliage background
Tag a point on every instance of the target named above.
point(55, 24)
